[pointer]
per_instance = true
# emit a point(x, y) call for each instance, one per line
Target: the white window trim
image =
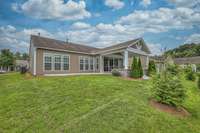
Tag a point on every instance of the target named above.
point(52, 55)
point(89, 69)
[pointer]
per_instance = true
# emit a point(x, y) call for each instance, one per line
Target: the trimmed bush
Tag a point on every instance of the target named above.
point(169, 90)
point(134, 68)
point(151, 68)
point(140, 68)
point(115, 72)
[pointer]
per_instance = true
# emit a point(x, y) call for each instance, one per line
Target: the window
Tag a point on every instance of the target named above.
point(47, 62)
point(57, 62)
point(81, 62)
point(97, 63)
point(86, 64)
point(91, 64)
point(65, 62)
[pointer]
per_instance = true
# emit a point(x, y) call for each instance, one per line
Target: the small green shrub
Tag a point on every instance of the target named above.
point(151, 68)
point(115, 72)
point(168, 90)
point(190, 76)
point(140, 69)
point(172, 69)
point(134, 68)
point(198, 82)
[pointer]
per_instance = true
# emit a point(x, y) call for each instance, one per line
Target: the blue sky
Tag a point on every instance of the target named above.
point(100, 23)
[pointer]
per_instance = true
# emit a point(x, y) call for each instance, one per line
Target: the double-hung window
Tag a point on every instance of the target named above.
point(81, 62)
point(47, 62)
point(97, 63)
point(57, 62)
point(86, 64)
point(65, 62)
point(91, 64)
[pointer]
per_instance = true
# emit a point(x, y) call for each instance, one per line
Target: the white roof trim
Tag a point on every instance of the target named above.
point(137, 51)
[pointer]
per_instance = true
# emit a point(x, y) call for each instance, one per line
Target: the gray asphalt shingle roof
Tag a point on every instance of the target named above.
point(43, 42)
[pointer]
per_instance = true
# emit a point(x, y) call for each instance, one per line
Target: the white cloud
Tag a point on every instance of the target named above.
point(16, 40)
point(101, 35)
point(80, 25)
point(161, 20)
point(53, 9)
point(145, 3)
point(115, 4)
point(155, 48)
point(185, 3)
point(194, 38)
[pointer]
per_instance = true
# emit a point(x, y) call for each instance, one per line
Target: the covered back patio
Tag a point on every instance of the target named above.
point(122, 58)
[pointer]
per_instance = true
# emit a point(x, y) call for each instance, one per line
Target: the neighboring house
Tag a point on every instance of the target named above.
point(54, 57)
point(184, 62)
point(21, 63)
point(160, 62)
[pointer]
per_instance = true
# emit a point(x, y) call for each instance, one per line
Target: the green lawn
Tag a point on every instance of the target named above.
point(90, 104)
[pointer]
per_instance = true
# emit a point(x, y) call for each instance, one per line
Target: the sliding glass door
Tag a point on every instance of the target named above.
point(110, 63)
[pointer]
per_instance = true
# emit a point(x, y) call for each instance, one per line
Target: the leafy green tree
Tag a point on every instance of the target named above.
point(25, 56)
point(17, 55)
point(6, 58)
point(140, 68)
point(151, 68)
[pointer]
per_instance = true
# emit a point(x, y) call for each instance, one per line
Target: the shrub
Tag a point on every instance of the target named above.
point(134, 68)
point(23, 70)
point(190, 76)
point(140, 70)
point(172, 69)
point(151, 68)
point(168, 90)
point(198, 82)
point(115, 72)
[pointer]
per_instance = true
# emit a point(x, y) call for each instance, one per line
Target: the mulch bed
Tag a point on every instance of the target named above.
point(129, 78)
point(181, 112)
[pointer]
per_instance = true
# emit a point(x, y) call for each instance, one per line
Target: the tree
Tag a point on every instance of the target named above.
point(151, 68)
point(140, 68)
point(25, 56)
point(168, 89)
point(134, 68)
point(6, 58)
point(17, 55)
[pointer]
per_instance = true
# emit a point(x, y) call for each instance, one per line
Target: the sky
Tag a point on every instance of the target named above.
point(100, 23)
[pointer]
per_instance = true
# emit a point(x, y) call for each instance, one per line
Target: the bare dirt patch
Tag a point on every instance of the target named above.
point(181, 112)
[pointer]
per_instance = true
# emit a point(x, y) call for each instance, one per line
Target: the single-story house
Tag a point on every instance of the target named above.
point(53, 57)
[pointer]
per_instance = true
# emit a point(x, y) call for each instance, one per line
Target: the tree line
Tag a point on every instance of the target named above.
point(186, 50)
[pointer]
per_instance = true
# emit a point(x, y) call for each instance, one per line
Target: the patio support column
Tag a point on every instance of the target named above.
point(101, 64)
point(125, 59)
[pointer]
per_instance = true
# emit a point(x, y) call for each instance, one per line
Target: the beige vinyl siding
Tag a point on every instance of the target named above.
point(73, 62)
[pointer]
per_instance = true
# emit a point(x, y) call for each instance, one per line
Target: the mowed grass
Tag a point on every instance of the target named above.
point(88, 104)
